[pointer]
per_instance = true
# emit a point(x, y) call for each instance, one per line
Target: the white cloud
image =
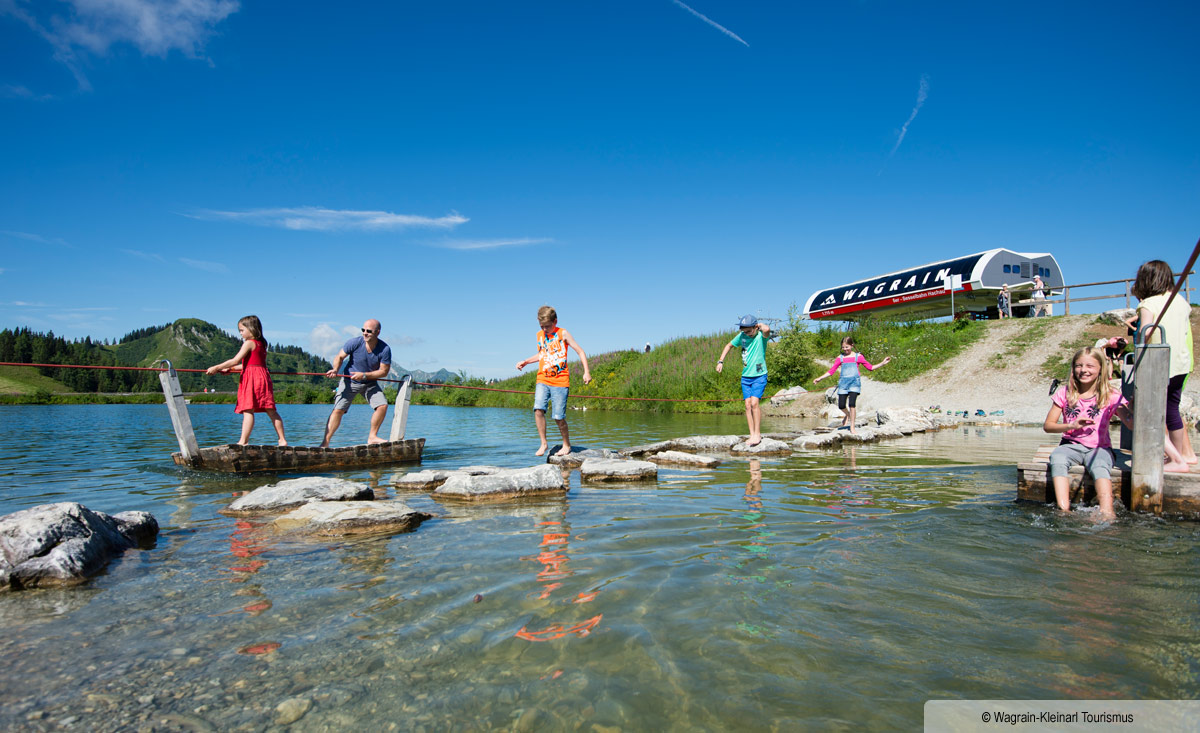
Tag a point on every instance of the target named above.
point(144, 255)
point(325, 341)
point(27, 304)
point(713, 23)
point(79, 28)
point(19, 91)
point(487, 243)
point(36, 238)
point(317, 219)
point(206, 266)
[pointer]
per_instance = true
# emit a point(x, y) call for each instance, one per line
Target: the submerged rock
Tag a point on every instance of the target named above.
point(617, 469)
point(504, 484)
point(351, 517)
point(679, 458)
point(577, 456)
point(429, 479)
point(65, 543)
point(297, 491)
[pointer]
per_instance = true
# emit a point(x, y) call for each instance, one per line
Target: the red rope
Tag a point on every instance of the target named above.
point(322, 374)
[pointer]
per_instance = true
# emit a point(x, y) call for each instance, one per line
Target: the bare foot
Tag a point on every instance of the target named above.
point(324, 445)
point(243, 442)
point(1191, 459)
point(1172, 467)
point(541, 451)
point(283, 442)
point(565, 450)
point(753, 442)
point(375, 440)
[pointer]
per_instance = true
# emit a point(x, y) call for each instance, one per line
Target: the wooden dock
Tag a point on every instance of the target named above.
point(235, 458)
point(1180, 492)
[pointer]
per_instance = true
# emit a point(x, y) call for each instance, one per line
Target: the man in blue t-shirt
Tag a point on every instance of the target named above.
point(369, 359)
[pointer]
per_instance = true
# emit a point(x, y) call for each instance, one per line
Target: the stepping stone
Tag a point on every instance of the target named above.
point(620, 469)
point(504, 484)
point(297, 491)
point(679, 458)
point(719, 443)
point(428, 479)
point(640, 450)
point(335, 518)
point(826, 439)
point(578, 455)
point(766, 447)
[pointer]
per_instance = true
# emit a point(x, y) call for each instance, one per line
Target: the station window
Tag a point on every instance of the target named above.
point(1008, 268)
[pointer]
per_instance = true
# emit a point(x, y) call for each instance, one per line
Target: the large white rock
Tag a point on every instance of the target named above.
point(577, 456)
point(428, 479)
point(720, 443)
point(65, 543)
point(639, 450)
point(608, 469)
point(679, 458)
point(505, 484)
point(297, 491)
point(350, 517)
point(766, 446)
point(818, 440)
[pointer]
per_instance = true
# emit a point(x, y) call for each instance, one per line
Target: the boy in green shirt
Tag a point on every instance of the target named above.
point(753, 342)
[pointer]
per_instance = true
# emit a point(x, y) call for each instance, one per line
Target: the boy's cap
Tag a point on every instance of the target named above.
point(747, 321)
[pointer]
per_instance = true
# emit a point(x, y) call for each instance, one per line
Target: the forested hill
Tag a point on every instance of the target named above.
point(188, 343)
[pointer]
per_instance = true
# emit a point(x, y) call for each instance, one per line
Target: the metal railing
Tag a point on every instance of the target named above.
point(1067, 300)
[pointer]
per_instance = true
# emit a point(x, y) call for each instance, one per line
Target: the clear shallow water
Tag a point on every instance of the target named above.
point(838, 589)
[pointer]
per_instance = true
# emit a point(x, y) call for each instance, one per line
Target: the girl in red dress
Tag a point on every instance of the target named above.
point(255, 392)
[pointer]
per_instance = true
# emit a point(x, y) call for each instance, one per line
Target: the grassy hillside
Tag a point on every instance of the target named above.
point(684, 369)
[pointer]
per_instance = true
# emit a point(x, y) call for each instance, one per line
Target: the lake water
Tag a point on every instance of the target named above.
point(835, 589)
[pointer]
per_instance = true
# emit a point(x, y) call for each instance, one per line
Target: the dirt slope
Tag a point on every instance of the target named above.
point(1001, 371)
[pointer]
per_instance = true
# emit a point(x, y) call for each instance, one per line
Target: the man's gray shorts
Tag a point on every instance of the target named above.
point(348, 389)
point(1097, 462)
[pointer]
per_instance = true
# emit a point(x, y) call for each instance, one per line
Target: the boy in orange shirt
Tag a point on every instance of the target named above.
point(553, 381)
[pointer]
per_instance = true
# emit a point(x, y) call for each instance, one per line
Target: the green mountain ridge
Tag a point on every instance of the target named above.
point(187, 343)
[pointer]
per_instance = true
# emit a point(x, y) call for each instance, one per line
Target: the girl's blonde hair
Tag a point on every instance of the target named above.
point(254, 326)
point(1102, 388)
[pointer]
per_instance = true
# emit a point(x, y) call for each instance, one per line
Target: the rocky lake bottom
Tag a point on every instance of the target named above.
point(839, 588)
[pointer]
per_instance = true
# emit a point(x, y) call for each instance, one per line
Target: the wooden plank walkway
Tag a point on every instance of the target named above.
point(235, 458)
point(1181, 491)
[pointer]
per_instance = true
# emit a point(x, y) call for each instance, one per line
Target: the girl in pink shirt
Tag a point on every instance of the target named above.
point(1082, 411)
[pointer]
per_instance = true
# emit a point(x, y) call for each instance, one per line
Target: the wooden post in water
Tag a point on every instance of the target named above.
point(179, 412)
point(1151, 364)
point(403, 400)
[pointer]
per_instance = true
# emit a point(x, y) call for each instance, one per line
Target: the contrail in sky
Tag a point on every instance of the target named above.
point(714, 24)
point(922, 93)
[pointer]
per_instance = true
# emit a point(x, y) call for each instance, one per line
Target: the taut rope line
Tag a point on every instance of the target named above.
point(322, 374)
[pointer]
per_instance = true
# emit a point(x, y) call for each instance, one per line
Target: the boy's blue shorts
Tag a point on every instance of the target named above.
point(544, 393)
point(754, 386)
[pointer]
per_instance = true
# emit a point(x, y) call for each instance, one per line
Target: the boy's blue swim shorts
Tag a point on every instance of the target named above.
point(754, 386)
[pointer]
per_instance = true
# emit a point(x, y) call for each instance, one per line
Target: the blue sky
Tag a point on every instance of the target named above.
point(652, 169)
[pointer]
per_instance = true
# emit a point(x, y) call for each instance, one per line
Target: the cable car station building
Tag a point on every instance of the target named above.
point(925, 291)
